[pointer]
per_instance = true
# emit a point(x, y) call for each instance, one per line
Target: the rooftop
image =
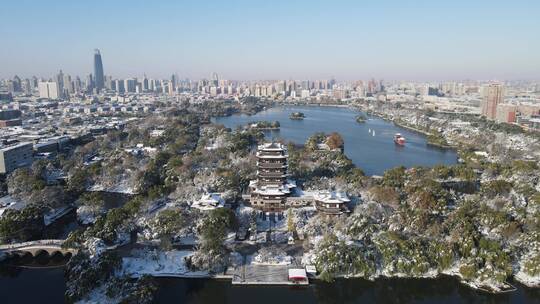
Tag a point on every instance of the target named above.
point(272, 146)
point(209, 201)
point(15, 146)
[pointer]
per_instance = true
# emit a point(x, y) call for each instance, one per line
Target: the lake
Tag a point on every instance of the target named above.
point(374, 152)
point(23, 285)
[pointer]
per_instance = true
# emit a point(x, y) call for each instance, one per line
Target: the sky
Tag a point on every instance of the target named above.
point(274, 39)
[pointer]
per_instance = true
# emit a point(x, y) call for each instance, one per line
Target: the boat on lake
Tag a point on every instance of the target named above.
point(399, 140)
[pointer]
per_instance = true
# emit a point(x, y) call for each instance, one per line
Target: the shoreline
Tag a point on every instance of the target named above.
point(266, 129)
point(505, 287)
point(495, 290)
point(413, 129)
point(482, 288)
point(275, 105)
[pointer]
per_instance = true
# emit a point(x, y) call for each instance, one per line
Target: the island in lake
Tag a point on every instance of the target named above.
point(264, 125)
point(361, 119)
point(297, 116)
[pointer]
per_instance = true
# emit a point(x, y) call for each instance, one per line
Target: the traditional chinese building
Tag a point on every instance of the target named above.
point(272, 187)
point(331, 202)
point(209, 201)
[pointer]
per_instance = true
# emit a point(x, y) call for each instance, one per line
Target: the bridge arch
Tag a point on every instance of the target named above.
point(48, 248)
point(57, 254)
point(41, 253)
point(22, 254)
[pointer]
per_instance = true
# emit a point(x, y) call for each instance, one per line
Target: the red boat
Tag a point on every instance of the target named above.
point(399, 140)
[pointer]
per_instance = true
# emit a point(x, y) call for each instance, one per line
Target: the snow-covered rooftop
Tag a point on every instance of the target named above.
point(273, 146)
point(209, 201)
point(333, 197)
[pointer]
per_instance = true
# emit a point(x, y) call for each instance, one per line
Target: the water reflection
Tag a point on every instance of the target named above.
point(51, 285)
point(441, 290)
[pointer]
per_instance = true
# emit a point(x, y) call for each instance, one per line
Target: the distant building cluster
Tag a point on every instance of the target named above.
point(98, 100)
point(523, 109)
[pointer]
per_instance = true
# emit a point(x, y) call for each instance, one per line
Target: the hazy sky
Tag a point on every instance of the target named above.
point(271, 39)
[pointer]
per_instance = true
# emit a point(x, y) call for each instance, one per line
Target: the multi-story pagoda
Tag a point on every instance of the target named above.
point(270, 190)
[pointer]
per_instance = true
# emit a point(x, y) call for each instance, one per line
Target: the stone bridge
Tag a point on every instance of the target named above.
point(36, 248)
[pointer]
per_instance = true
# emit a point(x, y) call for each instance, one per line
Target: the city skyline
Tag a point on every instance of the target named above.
point(253, 41)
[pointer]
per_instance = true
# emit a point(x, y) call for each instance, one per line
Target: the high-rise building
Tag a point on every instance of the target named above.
point(77, 85)
point(89, 83)
point(15, 156)
point(17, 84)
point(372, 87)
point(215, 79)
point(49, 89)
point(164, 86)
point(68, 86)
point(172, 85)
point(145, 84)
point(119, 85)
point(60, 82)
point(493, 94)
point(99, 80)
point(130, 85)
point(27, 87)
point(506, 113)
point(108, 82)
point(35, 82)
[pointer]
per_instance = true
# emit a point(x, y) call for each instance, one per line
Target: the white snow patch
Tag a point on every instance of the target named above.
point(160, 264)
point(527, 280)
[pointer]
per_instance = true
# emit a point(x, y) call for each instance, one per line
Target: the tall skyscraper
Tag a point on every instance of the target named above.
point(77, 85)
point(215, 79)
point(35, 82)
point(68, 85)
point(493, 94)
point(108, 82)
point(99, 80)
point(172, 85)
point(17, 84)
point(60, 82)
point(89, 83)
point(145, 84)
point(27, 87)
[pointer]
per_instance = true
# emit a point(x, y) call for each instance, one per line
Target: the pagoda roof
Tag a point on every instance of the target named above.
point(272, 146)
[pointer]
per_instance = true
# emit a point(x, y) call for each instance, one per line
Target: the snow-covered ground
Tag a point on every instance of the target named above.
point(527, 280)
point(98, 295)
point(53, 215)
point(123, 187)
point(9, 202)
point(270, 256)
point(159, 263)
point(89, 214)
